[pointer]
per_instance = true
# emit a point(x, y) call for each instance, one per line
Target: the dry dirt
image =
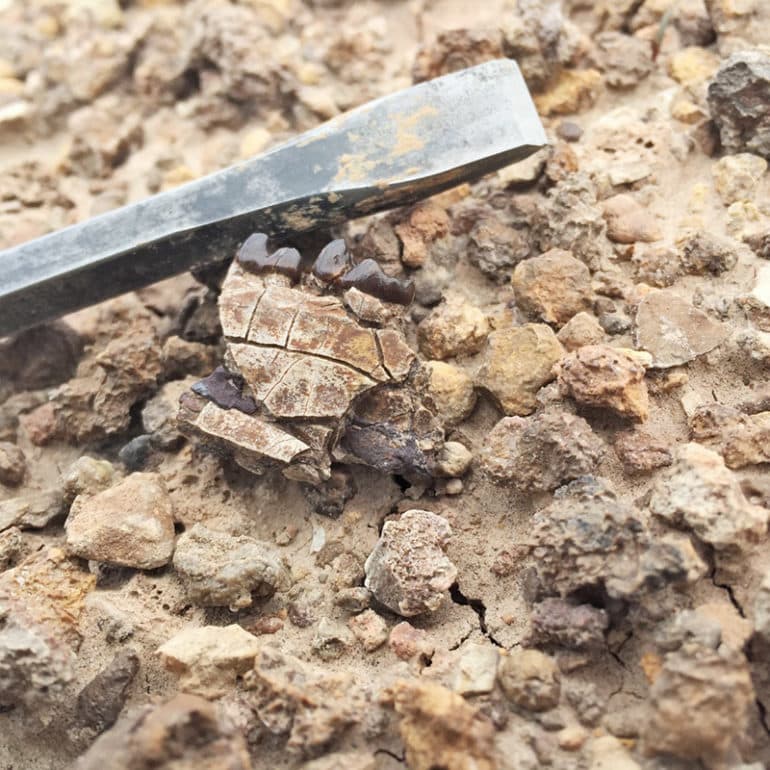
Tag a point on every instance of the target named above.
point(596, 591)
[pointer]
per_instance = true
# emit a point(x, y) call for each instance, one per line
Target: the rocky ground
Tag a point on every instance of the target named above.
point(535, 531)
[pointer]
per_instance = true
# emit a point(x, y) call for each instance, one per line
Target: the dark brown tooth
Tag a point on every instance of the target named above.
point(254, 257)
point(367, 276)
point(333, 261)
point(224, 389)
point(286, 261)
point(253, 253)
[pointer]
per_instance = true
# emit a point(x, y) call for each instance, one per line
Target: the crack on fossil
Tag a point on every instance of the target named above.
point(478, 606)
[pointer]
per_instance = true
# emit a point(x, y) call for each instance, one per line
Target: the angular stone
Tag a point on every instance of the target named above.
point(554, 286)
point(476, 669)
point(451, 391)
point(100, 702)
point(518, 361)
point(208, 659)
point(129, 524)
point(736, 176)
point(408, 642)
point(425, 223)
point(704, 253)
point(530, 679)
point(757, 302)
point(628, 221)
point(673, 331)
point(641, 452)
point(495, 248)
point(455, 328)
point(221, 570)
point(581, 329)
point(370, 630)
point(31, 511)
point(601, 376)
point(13, 464)
point(561, 623)
point(699, 493)
point(573, 91)
point(408, 571)
point(739, 100)
point(541, 452)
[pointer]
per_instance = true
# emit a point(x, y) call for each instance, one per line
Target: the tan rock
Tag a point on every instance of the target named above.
point(554, 286)
point(408, 642)
point(608, 753)
point(440, 729)
point(530, 679)
point(451, 391)
point(736, 176)
point(518, 361)
point(598, 375)
point(208, 659)
point(370, 629)
point(454, 328)
point(628, 221)
point(673, 331)
point(425, 223)
point(130, 524)
point(693, 65)
point(455, 459)
point(573, 91)
point(641, 452)
point(757, 302)
point(571, 738)
point(476, 669)
point(13, 464)
point(581, 329)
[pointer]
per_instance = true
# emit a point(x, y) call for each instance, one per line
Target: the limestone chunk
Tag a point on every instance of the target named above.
point(451, 391)
point(455, 328)
point(408, 571)
point(221, 570)
point(518, 361)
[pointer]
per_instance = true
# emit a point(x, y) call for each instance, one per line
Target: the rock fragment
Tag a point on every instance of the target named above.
point(589, 538)
point(186, 732)
point(11, 547)
point(455, 328)
point(739, 101)
point(605, 377)
point(33, 510)
point(130, 524)
point(715, 685)
point(408, 570)
point(332, 640)
point(530, 679)
point(100, 702)
point(541, 452)
point(370, 630)
point(13, 464)
point(208, 659)
point(87, 476)
point(476, 669)
point(517, 362)
point(641, 452)
point(454, 460)
point(625, 60)
point(673, 331)
point(757, 301)
point(221, 570)
point(700, 493)
point(309, 705)
point(581, 329)
point(556, 622)
point(628, 221)
point(451, 392)
point(408, 642)
point(742, 439)
point(554, 286)
point(456, 49)
point(704, 253)
point(425, 223)
point(440, 729)
point(495, 248)
point(736, 176)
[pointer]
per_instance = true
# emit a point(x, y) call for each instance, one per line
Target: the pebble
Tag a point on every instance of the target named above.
point(135, 453)
point(569, 131)
point(332, 640)
point(209, 659)
point(673, 331)
point(159, 414)
point(541, 452)
point(608, 753)
point(571, 738)
point(451, 392)
point(11, 547)
point(222, 570)
point(703, 253)
point(370, 630)
point(693, 65)
point(13, 464)
point(574, 626)
point(641, 452)
point(87, 476)
point(100, 702)
point(739, 101)
point(454, 459)
point(454, 328)
point(476, 669)
point(625, 60)
point(495, 248)
point(34, 510)
point(628, 221)
point(408, 570)
point(130, 524)
point(700, 493)
point(581, 329)
point(554, 287)
point(517, 362)
point(530, 679)
point(180, 357)
point(605, 377)
point(757, 302)
point(573, 91)
point(408, 642)
point(736, 176)
point(425, 223)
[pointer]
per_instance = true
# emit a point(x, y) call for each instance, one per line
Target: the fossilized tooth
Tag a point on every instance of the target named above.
point(369, 277)
point(224, 389)
point(333, 261)
point(255, 256)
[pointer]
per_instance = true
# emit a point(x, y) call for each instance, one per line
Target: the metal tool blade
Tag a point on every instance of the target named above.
point(388, 152)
